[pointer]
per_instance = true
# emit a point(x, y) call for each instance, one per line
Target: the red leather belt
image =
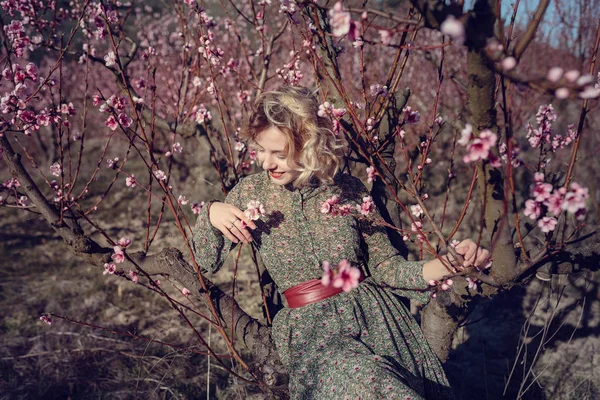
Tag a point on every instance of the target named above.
point(310, 292)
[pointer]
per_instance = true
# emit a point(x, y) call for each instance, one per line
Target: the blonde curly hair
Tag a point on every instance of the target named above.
point(312, 147)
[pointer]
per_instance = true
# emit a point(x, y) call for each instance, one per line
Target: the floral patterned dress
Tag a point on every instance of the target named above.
point(361, 344)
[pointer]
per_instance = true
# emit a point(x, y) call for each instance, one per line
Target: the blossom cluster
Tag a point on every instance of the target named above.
point(478, 148)
point(343, 276)
point(332, 206)
point(443, 285)
point(547, 199)
point(291, 72)
point(543, 133)
point(254, 210)
point(342, 24)
point(411, 117)
point(117, 105)
point(567, 82)
point(209, 51)
point(416, 228)
point(15, 32)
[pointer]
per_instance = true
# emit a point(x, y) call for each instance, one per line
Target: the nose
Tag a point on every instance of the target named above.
point(268, 163)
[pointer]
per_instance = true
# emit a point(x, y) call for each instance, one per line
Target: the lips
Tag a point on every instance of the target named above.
point(276, 175)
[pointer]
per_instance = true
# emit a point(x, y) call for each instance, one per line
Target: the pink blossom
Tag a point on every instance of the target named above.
point(554, 203)
point(255, 209)
point(130, 181)
point(111, 123)
point(328, 205)
point(453, 28)
point(347, 276)
point(371, 174)
point(133, 276)
point(202, 114)
point(124, 120)
point(411, 117)
point(109, 269)
point(23, 201)
point(186, 292)
point(252, 155)
point(47, 320)
point(572, 75)
point(339, 20)
point(547, 224)
point(367, 206)
point(110, 59)
point(589, 92)
point(476, 150)
point(160, 175)
point(67, 109)
point(345, 209)
point(416, 226)
point(541, 191)
point(472, 283)
point(446, 285)
point(574, 200)
point(509, 63)
point(376, 89)
point(55, 169)
point(124, 242)
point(554, 74)
point(197, 207)
point(488, 138)
point(532, 209)
point(385, 36)
point(118, 257)
point(32, 71)
point(416, 210)
point(96, 99)
point(538, 177)
point(327, 274)
point(243, 96)
point(561, 93)
point(177, 147)
point(572, 203)
point(11, 183)
point(182, 200)
point(239, 146)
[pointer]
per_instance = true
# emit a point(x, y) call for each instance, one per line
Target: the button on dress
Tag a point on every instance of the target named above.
point(362, 344)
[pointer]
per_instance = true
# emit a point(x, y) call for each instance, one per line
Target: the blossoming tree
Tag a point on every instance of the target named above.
point(83, 83)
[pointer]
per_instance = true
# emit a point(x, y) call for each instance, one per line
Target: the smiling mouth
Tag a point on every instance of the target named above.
point(276, 175)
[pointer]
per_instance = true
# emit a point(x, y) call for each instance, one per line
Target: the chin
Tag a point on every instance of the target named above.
point(283, 179)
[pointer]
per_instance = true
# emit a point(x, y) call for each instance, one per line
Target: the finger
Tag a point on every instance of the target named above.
point(240, 215)
point(469, 254)
point(237, 232)
point(242, 233)
point(228, 234)
point(482, 257)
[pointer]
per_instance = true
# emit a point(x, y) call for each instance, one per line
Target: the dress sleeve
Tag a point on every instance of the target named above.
point(209, 245)
point(385, 264)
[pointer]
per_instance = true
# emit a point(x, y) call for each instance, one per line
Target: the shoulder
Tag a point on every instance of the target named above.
point(350, 187)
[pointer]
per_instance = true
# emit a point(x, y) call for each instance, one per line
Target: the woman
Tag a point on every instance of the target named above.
point(360, 344)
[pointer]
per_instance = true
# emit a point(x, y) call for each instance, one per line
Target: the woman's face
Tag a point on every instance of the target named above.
point(272, 154)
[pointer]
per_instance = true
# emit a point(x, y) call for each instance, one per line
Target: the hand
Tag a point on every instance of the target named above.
point(231, 221)
point(474, 256)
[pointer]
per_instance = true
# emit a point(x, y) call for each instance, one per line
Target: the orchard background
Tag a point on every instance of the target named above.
point(119, 119)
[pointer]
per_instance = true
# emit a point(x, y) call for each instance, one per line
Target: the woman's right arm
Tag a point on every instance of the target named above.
point(217, 230)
